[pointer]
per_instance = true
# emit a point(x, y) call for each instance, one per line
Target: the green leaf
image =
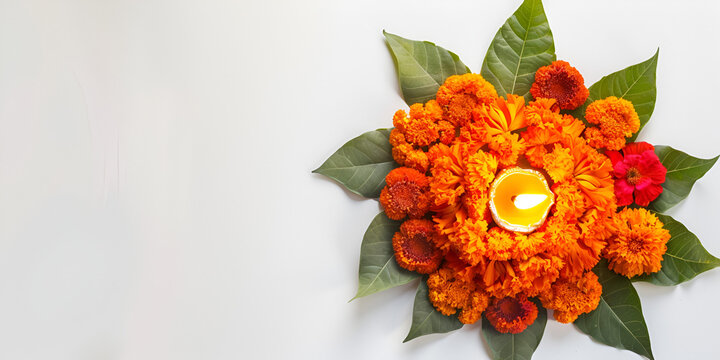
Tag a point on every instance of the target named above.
point(682, 172)
point(521, 46)
point(422, 67)
point(635, 84)
point(362, 163)
point(378, 268)
point(684, 259)
point(426, 320)
point(618, 320)
point(515, 346)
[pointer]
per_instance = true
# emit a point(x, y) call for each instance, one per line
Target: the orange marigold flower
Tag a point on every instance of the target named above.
point(406, 154)
point(463, 234)
point(536, 274)
point(569, 246)
point(511, 314)
point(449, 292)
point(500, 243)
point(477, 303)
point(476, 204)
point(559, 164)
point(499, 279)
point(414, 249)
point(536, 155)
point(405, 193)
point(480, 170)
point(592, 173)
point(418, 160)
point(561, 82)
point(541, 112)
point(568, 125)
point(474, 131)
point(597, 224)
point(446, 131)
point(569, 299)
point(502, 116)
point(507, 147)
point(639, 245)
point(420, 127)
point(616, 120)
point(570, 203)
point(460, 95)
point(397, 137)
point(409, 156)
point(529, 245)
point(447, 184)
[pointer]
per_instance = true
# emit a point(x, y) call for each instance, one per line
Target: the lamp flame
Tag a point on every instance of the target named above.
point(527, 201)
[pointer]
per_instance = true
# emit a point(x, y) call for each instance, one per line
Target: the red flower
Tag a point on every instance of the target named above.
point(561, 82)
point(637, 170)
point(511, 315)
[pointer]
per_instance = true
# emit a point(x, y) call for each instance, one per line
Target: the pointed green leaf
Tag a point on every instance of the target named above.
point(362, 163)
point(635, 84)
point(515, 346)
point(422, 67)
point(618, 320)
point(682, 172)
point(426, 320)
point(521, 46)
point(378, 268)
point(684, 259)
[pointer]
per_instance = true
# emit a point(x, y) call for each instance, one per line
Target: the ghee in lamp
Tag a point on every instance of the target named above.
point(520, 199)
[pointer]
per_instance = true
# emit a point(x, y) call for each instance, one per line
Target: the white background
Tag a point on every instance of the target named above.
point(156, 200)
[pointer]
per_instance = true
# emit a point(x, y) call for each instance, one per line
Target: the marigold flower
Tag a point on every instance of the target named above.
point(559, 164)
point(561, 82)
point(569, 126)
point(480, 170)
point(414, 246)
point(569, 299)
point(616, 120)
point(449, 292)
point(446, 131)
point(597, 224)
point(541, 112)
point(529, 245)
point(465, 235)
point(536, 274)
point(408, 156)
point(460, 95)
point(592, 173)
point(511, 314)
point(502, 116)
point(507, 147)
point(500, 243)
point(638, 171)
point(420, 127)
point(570, 203)
point(499, 279)
point(396, 136)
point(477, 303)
point(405, 193)
point(639, 245)
point(568, 244)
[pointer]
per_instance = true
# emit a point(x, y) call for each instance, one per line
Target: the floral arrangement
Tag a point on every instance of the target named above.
point(519, 190)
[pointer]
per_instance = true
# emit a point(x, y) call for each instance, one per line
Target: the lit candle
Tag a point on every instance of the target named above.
point(520, 199)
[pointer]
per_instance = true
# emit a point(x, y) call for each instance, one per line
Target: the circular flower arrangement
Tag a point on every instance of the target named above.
point(452, 149)
point(510, 203)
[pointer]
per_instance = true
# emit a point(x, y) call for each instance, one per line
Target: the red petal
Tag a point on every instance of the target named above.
point(615, 157)
point(623, 192)
point(650, 166)
point(650, 193)
point(637, 148)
